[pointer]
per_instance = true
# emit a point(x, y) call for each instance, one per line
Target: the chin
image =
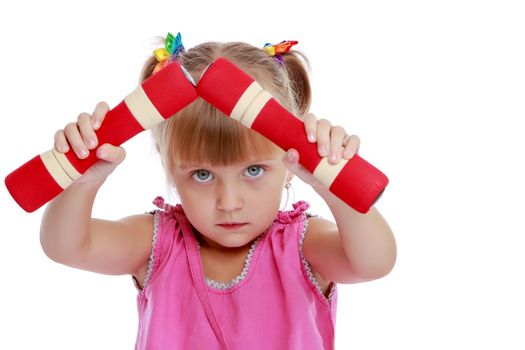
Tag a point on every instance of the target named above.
point(236, 242)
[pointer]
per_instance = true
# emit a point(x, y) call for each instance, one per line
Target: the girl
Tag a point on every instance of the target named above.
point(224, 268)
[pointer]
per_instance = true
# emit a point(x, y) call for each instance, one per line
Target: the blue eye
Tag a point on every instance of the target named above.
point(255, 170)
point(201, 175)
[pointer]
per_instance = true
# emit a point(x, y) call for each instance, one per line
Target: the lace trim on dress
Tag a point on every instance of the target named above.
point(307, 266)
point(242, 275)
point(151, 261)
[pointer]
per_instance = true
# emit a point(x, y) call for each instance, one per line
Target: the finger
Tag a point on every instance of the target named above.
point(111, 153)
point(61, 144)
point(310, 126)
point(291, 161)
point(99, 114)
point(75, 140)
point(352, 146)
point(337, 136)
point(86, 130)
point(323, 137)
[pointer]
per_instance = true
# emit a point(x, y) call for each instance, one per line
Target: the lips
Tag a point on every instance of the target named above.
point(232, 225)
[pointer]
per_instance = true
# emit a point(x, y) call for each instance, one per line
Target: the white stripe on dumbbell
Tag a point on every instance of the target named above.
point(142, 109)
point(326, 172)
point(244, 101)
point(55, 170)
point(255, 108)
point(66, 165)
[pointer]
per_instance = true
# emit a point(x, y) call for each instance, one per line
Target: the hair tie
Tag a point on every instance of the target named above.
point(278, 49)
point(172, 48)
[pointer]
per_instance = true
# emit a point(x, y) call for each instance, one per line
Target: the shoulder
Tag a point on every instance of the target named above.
point(146, 226)
point(160, 230)
point(142, 225)
point(316, 227)
point(152, 226)
point(140, 222)
point(323, 249)
point(320, 234)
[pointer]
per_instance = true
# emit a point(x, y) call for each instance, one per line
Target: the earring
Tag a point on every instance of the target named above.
point(287, 186)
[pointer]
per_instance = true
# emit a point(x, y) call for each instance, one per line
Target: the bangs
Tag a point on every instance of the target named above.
point(200, 134)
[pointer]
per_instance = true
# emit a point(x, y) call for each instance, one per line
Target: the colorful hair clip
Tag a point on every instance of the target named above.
point(278, 49)
point(172, 48)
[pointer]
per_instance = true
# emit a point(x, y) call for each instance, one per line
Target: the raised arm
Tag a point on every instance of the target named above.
point(68, 233)
point(357, 247)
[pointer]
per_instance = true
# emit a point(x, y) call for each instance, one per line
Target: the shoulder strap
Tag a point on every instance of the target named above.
point(198, 277)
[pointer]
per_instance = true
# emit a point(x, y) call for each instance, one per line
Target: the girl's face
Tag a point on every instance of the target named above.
point(245, 193)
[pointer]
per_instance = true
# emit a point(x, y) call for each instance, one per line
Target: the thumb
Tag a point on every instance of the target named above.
point(112, 154)
point(109, 158)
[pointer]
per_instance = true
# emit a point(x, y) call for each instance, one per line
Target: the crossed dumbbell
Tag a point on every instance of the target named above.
point(230, 90)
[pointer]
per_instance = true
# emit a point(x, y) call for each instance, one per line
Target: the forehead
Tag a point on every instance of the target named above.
point(222, 154)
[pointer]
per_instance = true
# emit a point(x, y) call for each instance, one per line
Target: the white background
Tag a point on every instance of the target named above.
point(433, 88)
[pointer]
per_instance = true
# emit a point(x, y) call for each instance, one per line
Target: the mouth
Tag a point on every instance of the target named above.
point(232, 225)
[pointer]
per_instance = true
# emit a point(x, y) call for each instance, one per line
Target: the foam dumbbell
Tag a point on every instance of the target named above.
point(236, 94)
point(158, 98)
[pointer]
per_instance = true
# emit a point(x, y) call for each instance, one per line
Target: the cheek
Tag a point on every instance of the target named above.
point(195, 200)
point(269, 195)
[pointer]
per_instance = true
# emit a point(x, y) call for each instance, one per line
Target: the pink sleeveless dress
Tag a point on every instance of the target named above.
point(275, 303)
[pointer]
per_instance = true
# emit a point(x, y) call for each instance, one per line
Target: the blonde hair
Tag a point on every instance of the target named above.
point(201, 134)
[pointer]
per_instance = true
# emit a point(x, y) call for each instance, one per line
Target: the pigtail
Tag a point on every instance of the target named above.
point(294, 62)
point(147, 69)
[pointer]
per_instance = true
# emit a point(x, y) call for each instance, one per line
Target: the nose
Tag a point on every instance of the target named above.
point(229, 198)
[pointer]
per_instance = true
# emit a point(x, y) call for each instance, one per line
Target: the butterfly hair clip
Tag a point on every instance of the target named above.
point(278, 49)
point(172, 48)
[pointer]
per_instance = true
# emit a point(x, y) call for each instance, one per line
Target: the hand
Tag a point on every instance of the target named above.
point(332, 142)
point(81, 137)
